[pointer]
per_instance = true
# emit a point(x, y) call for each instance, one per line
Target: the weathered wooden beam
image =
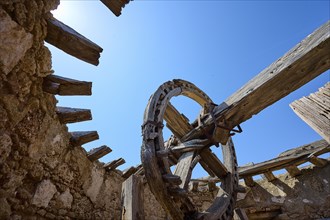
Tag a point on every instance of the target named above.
point(58, 85)
point(79, 138)
point(194, 187)
point(115, 5)
point(240, 214)
point(176, 122)
point(248, 180)
point(301, 64)
point(293, 170)
point(292, 157)
point(211, 186)
point(98, 152)
point(269, 176)
point(71, 42)
point(132, 199)
point(314, 110)
point(72, 115)
point(114, 164)
point(127, 173)
point(217, 167)
point(319, 162)
point(183, 168)
point(172, 179)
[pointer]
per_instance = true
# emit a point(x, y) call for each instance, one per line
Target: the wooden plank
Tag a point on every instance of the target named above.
point(269, 176)
point(293, 170)
point(217, 167)
point(114, 164)
point(291, 157)
point(58, 85)
point(71, 42)
point(72, 115)
point(183, 169)
point(211, 186)
point(98, 152)
point(115, 5)
point(301, 64)
point(314, 110)
point(79, 138)
point(132, 198)
point(176, 122)
point(194, 187)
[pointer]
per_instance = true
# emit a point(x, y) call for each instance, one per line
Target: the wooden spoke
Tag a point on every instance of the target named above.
point(157, 155)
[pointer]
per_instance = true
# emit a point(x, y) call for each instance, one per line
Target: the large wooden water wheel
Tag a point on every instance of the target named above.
point(158, 156)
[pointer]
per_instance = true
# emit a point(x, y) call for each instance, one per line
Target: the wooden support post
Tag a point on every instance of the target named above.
point(319, 162)
point(58, 85)
point(269, 176)
point(132, 199)
point(248, 180)
point(99, 152)
point(194, 187)
point(79, 138)
point(114, 164)
point(211, 186)
point(71, 42)
point(314, 110)
point(293, 170)
point(115, 5)
point(301, 64)
point(72, 115)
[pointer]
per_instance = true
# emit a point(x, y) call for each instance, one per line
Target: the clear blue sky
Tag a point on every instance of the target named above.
point(217, 45)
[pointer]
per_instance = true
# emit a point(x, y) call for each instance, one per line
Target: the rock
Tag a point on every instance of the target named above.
point(93, 185)
point(44, 193)
point(10, 53)
point(5, 210)
point(5, 147)
point(64, 200)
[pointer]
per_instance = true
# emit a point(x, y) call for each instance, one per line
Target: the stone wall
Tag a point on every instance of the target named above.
point(41, 175)
point(302, 197)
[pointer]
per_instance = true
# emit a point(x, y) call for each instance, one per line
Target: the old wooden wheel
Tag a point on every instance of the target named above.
point(157, 156)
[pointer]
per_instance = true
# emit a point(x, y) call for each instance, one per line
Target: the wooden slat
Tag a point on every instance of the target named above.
point(314, 110)
point(58, 85)
point(269, 176)
point(217, 167)
point(79, 138)
point(183, 169)
point(293, 170)
point(115, 5)
point(72, 115)
point(132, 199)
point(99, 152)
point(301, 64)
point(114, 164)
point(291, 157)
point(71, 42)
